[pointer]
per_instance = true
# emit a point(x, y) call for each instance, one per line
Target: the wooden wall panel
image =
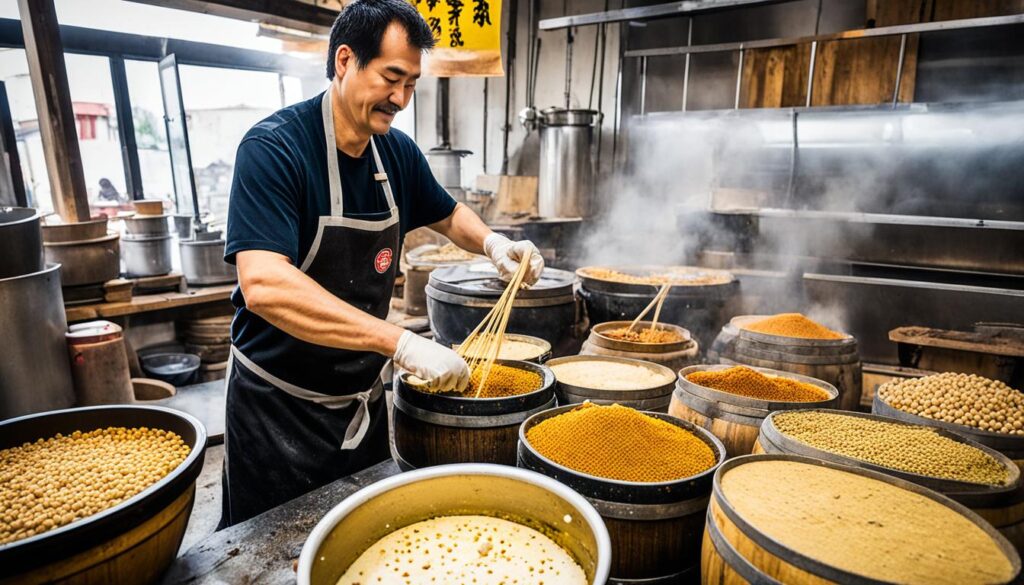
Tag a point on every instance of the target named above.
point(855, 72)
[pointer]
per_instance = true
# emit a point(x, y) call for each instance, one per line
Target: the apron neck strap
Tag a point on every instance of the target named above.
point(334, 173)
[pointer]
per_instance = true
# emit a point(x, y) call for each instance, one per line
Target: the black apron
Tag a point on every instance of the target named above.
point(281, 440)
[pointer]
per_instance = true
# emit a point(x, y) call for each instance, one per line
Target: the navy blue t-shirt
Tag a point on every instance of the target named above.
point(280, 189)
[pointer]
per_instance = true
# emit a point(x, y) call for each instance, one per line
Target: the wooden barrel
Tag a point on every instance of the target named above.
point(434, 429)
point(734, 551)
point(674, 356)
point(654, 398)
point(835, 361)
point(1008, 518)
point(1001, 506)
point(655, 528)
point(735, 419)
point(133, 541)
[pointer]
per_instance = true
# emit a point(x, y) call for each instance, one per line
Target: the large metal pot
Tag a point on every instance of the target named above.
point(34, 372)
point(148, 225)
point(471, 488)
point(85, 262)
point(203, 262)
point(146, 255)
point(23, 241)
point(566, 181)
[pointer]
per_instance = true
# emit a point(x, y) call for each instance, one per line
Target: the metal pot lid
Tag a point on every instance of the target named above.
point(564, 117)
point(481, 280)
point(93, 332)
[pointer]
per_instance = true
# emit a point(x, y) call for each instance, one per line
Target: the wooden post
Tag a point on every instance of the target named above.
point(45, 54)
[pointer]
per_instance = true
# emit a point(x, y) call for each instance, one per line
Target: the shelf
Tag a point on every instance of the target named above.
point(150, 303)
point(666, 10)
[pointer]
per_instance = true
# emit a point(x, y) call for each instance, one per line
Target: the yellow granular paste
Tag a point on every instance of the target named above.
point(513, 349)
point(464, 549)
point(744, 381)
point(503, 381)
point(793, 325)
point(912, 448)
point(617, 442)
point(862, 525)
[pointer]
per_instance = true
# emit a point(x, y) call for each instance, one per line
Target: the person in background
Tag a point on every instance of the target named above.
point(322, 195)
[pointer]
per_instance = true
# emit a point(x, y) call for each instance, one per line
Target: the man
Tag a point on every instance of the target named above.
point(323, 193)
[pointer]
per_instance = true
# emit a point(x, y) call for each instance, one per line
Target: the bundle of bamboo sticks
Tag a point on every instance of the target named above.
point(481, 348)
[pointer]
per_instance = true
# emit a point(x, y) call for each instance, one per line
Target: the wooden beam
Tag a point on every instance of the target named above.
point(287, 13)
point(53, 103)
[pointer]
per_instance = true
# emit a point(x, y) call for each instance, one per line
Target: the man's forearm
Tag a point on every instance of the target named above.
point(290, 300)
point(464, 228)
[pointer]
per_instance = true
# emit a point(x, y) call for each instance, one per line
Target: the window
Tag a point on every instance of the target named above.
point(92, 100)
point(150, 132)
point(14, 74)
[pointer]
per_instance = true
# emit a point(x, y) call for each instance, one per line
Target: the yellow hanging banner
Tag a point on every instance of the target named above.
point(468, 35)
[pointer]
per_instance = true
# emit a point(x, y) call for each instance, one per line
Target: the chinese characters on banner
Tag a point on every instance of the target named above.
point(468, 34)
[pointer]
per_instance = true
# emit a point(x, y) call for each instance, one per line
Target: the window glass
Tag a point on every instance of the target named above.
point(14, 75)
point(92, 100)
point(217, 121)
point(150, 132)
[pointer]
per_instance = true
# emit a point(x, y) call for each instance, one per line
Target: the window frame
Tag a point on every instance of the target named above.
point(118, 47)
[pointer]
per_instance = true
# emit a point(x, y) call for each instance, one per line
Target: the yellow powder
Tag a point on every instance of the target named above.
point(793, 325)
point(464, 549)
point(618, 442)
point(862, 525)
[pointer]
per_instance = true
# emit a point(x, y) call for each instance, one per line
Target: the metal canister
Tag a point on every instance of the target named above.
point(99, 364)
point(566, 182)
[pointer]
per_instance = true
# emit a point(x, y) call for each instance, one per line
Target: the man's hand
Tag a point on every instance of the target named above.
point(506, 256)
point(442, 368)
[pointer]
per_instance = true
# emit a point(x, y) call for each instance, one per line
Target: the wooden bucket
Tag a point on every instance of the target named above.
point(674, 356)
point(1001, 506)
point(1008, 518)
point(433, 429)
point(734, 419)
point(655, 528)
point(735, 552)
point(654, 398)
point(836, 361)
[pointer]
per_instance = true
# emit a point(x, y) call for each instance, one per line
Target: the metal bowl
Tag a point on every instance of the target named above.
point(470, 488)
point(178, 369)
point(105, 539)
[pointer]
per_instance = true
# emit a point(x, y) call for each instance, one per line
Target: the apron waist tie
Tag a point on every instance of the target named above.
point(360, 422)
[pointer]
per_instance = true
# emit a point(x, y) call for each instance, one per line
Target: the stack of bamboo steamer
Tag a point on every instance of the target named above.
point(210, 339)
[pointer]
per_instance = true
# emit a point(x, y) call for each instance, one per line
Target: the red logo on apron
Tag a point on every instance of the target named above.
point(383, 260)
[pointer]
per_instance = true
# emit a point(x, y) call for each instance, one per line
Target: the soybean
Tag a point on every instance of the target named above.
point(910, 448)
point(53, 482)
point(962, 399)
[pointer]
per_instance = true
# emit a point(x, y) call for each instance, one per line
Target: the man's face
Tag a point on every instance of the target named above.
point(373, 94)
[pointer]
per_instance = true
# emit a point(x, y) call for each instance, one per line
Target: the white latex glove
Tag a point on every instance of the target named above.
point(441, 368)
point(506, 254)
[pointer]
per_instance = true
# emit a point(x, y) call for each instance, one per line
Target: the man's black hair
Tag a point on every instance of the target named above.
point(361, 26)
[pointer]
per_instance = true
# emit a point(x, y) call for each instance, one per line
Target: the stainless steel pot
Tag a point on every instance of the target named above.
point(23, 241)
point(34, 372)
point(147, 225)
point(84, 262)
point(566, 181)
point(146, 256)
point(203, 262)
point(470, 488)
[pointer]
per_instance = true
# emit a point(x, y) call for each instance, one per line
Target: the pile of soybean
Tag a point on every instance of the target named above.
point(962, 399)
point(902, 447)
point(56, 481)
